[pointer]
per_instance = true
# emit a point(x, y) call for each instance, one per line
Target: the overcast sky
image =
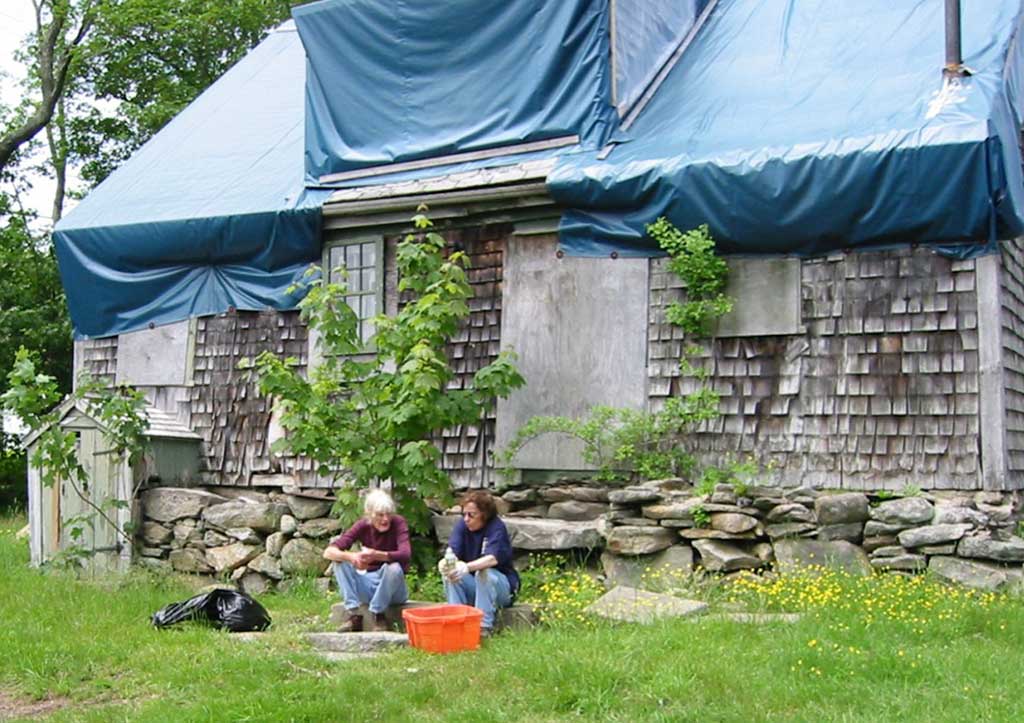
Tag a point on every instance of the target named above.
point(17, 20)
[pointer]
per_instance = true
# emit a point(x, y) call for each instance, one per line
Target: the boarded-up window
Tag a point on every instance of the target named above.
point(766, 296)
point(579, 327)
point(156, 357)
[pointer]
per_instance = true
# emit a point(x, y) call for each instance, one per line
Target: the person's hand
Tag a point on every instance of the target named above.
point(364, 559)
point(442, 566)
point(461, 569)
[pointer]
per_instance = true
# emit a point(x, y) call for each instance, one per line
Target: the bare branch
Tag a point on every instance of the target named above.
point(54, 57)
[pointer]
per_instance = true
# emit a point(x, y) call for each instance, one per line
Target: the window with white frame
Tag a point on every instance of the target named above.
point(359, 264)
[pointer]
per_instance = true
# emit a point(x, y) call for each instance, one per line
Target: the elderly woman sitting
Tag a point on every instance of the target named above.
point(374, 576)
point(483, 575)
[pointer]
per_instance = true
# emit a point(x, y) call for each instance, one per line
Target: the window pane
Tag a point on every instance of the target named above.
point(366, 331)
point(369, 309)
point(352, 256)
point(369, 254)
point(368, 281)
point(353, 280)
point(336, 258)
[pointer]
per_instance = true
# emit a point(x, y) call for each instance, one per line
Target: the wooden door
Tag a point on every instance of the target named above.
point(80, 523)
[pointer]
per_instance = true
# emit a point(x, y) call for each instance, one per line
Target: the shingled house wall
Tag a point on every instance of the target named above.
point(222, 404)
point(226, 408)
point(880, 390)
point(1012, 301)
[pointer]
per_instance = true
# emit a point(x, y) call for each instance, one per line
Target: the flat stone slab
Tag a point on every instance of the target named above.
point(640, 606)
point(516, 617)
point(357, 642)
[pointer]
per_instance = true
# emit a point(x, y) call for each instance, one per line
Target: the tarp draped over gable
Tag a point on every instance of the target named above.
point(404, 80)
point(789, 126)
point(647, 32)
point(802, 126)
point(211, 213)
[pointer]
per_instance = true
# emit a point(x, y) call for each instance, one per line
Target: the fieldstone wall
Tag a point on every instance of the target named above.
point(967, 538)
point(257, 540)
point(261, 540)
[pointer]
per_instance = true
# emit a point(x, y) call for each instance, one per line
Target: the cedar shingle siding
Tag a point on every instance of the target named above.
point(881, 390)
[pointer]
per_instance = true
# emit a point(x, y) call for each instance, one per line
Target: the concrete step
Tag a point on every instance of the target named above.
point(516, 617)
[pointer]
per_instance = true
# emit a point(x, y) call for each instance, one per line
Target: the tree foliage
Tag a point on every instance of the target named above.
point(369, 420)
point(61, 27)
point(33, 311)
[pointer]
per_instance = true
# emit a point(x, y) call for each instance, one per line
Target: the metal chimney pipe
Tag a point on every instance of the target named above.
point(954, 56)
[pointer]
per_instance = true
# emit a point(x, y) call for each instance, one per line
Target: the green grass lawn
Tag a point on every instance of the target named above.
point(878, 651)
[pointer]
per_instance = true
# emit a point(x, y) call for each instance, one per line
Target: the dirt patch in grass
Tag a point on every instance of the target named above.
point(12, 706)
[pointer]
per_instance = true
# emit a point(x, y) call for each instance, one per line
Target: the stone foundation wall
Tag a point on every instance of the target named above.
point(257, 540)
point(261, 540)
point(964, 537)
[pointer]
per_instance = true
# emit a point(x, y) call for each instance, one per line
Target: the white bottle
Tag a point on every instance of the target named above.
point(449, 561)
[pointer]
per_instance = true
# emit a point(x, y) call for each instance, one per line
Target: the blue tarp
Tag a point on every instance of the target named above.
point(211, 213)
point(790, 126)
point(404, 80)
point(802, 126)
point(647, 32)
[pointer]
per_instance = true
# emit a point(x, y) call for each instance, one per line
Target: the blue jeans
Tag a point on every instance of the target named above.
point(377, 589)
point(487, 589)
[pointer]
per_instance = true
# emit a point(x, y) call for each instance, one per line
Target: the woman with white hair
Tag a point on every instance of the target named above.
point(375, 575)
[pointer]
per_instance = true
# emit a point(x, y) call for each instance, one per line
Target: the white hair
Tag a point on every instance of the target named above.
point(377, 500)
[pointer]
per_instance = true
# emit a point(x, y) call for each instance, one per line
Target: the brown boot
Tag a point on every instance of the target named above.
point(354, 624)
point(380, 623)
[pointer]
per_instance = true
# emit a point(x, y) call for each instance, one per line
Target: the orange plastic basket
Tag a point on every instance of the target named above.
point(444, 628)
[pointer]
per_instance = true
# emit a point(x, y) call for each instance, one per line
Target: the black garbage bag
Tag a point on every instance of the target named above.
point(229, 609)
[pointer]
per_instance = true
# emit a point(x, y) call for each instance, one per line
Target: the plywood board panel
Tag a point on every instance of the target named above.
point(579, 327)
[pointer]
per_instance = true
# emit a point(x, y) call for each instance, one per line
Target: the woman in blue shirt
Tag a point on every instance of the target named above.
point(483, 576)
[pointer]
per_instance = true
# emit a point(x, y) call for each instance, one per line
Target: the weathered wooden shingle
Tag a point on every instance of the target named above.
point(881, 390)
point(227, 409)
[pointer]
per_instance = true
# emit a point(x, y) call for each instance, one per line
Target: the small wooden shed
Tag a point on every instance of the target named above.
point(172, 456)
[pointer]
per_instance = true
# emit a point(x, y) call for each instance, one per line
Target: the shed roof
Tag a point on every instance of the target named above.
point(162, 425)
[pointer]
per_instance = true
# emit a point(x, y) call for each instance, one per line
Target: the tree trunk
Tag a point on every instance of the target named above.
point(53, 59)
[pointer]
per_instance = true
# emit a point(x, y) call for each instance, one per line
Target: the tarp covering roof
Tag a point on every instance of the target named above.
point(790, 126)
point(801, 126)
point(404, 80)
point(646, 34)
point(211, 213)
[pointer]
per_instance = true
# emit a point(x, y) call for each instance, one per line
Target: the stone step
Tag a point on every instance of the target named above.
point(353, 643)
point(516, 617)
point(642, 606)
